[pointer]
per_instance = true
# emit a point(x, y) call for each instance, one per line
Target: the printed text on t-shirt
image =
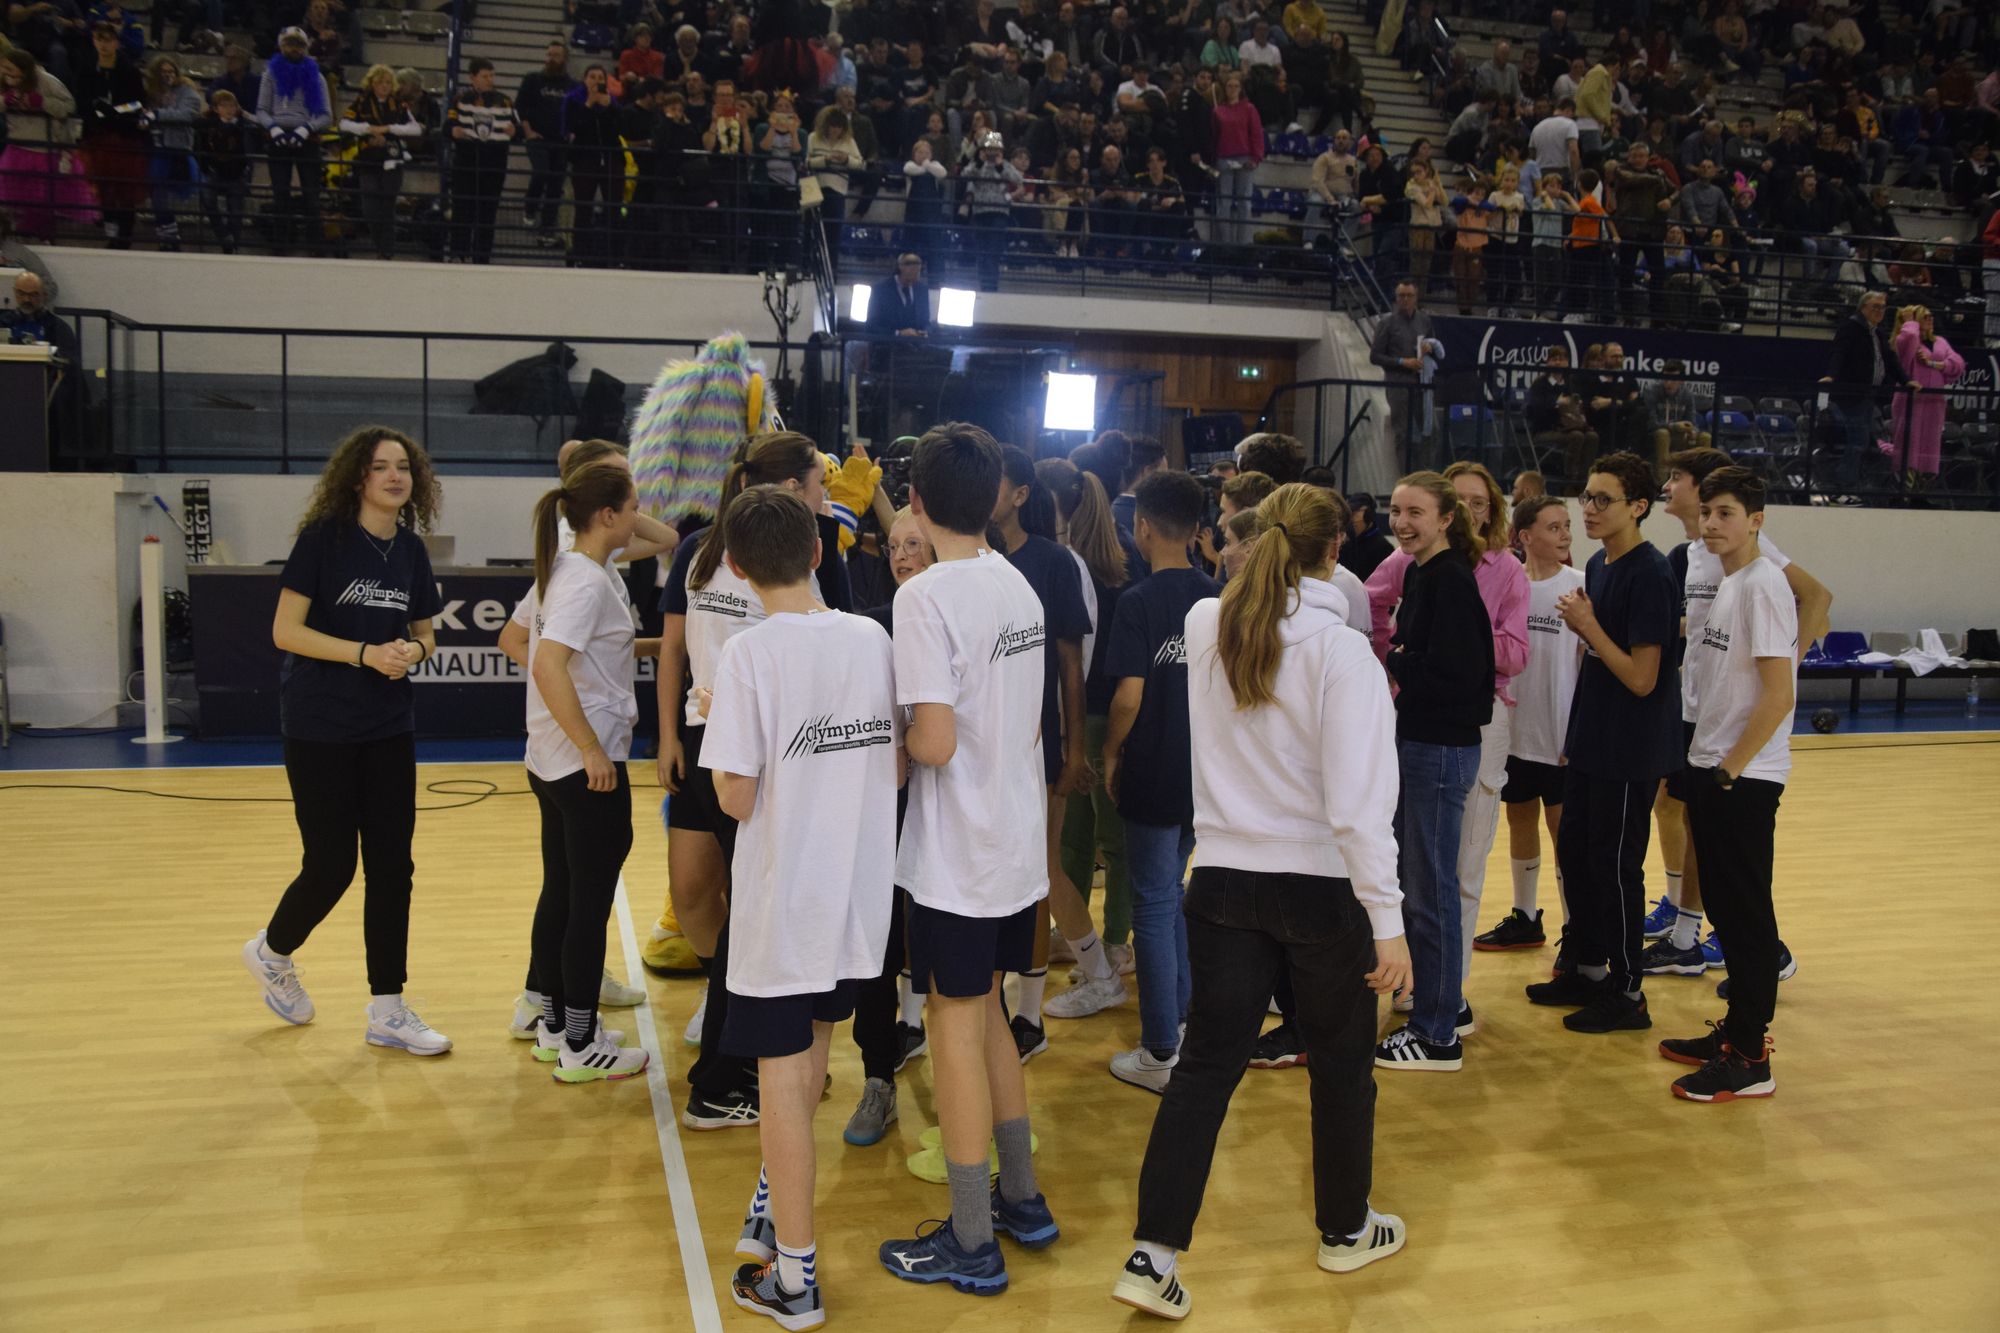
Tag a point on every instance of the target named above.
point(822, 735)
point(371, 594)
point(1014, 641)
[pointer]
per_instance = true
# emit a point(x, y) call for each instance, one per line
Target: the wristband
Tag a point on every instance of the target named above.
point(360, 652)
point(1724, 778)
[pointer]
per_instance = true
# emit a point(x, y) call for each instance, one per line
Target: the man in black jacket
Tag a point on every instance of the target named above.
point(1403, 339)
point(541, 107)
point(1862, 374)
point(901, 304)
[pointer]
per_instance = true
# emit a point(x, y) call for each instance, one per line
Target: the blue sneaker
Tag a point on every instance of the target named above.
point(1660, 921)
point(1788, 967)
point(935, 1256)
point(1711, 951)
point(1029, 1222)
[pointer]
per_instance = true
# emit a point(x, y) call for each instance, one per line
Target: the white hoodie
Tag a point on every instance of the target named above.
point(1307, 784)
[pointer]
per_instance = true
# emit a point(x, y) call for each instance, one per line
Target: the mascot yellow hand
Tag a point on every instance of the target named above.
point(850, 488)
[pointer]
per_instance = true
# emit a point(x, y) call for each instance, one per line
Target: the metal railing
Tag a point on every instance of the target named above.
point(1338, 409)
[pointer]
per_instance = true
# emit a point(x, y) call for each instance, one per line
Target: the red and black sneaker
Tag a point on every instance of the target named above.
point(1696, 1051)
point(1517, 930)
point(1728, 1077)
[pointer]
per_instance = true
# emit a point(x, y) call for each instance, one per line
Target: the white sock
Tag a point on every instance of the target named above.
point(1163, 1258)
point(534, 997)
point(662, 933)
point(381, 1006)
point(760, 1202)
point(1595, 971)
point(1032, 986)
point(1367, 1223)
point(1525, 875)
point(1090, 957)
point(798, 1270)
point(1562, 895)
point(912, 1003)
point(1687, 929)
point(1674, 887)
point(264, 952)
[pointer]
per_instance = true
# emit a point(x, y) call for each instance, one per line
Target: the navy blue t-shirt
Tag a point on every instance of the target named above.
point(1148, 639)
point(1097, 686)
point(1052, 572)
point(360, 589)
point(1614, 734)
point(834, 589)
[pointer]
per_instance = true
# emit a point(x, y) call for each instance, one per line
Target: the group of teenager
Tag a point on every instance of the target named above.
point(1298, 776)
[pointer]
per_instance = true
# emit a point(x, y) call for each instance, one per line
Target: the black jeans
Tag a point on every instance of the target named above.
point(876, 1008)
point(283, 164)
point(344, 792)
point(377, 190)
point(1242, 927)
point(1733, 835)
point(1601, 846)
point(478, 174)
point(715, 1074)
point(585, 837)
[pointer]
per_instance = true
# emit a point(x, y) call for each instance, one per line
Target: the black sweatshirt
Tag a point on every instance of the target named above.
point(1441, 654)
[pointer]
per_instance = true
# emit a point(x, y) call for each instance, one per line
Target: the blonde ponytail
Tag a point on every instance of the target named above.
point(1089, 528)
point(1300, 525)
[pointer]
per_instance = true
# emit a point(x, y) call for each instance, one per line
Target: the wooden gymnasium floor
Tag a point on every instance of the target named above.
point(179, 1160)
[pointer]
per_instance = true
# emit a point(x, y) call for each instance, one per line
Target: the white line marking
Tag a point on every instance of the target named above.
point(680, 1189)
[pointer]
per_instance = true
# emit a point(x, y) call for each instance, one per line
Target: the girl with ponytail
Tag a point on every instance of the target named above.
point(1090, 819)
point(579, 652)
point(704, 606)
point(1441, 659)
point(1294, 865)
point(1503, 589)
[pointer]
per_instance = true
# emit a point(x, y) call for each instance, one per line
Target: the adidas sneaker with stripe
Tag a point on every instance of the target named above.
point(549, 1041)
point(1381, 1236)
point(602, 1059)
point(1142, 1288)
point(1404, 1049)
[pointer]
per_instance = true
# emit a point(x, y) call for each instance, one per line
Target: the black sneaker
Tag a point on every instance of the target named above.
point(1788, 967)
point(1611, 1011)
point(1569, 989)
point(1662, 958)
point(1696, 1051)
point(1729, 1077)
point(1517, 930)
point(1404, 1049)
point(1029, 1038)
point(756, 1288)
point(1280, 1048)
point(911, 1043)
point(727, 1112)
point(1466, 1027)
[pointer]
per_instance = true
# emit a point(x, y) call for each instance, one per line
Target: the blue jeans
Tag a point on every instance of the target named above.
point(1436, 780)
point(1856, 422)
point(1156, 858)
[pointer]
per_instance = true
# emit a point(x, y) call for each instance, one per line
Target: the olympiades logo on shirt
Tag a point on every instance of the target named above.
point(822, 735)
point(1546, 624)
point(1172, 653)
point(1702, 591)
point(721, 602)
point(371, 595)
point(1013, 641)
point(1712, 637)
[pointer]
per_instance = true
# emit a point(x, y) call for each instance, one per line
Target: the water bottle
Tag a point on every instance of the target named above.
point(1972, 697)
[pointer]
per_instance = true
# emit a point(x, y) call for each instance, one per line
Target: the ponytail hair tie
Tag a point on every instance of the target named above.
point(1282, 528)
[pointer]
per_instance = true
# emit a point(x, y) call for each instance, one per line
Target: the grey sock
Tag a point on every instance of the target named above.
point(1017, 1162)
point(971, 1203)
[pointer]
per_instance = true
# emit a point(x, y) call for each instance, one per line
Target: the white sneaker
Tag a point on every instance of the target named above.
point(1144, 1289)
point(283, 994)
point(603, 1058)
point(615, 994)
point(1118, 955)
point(693, 1034)
point(548, 1040)
point(526, 1015)
point(1086, 998)
point(404, 1031)
point(1138, 1067)
point(1381, 1236)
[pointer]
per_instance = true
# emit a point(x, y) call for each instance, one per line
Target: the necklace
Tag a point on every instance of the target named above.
point(382, 549)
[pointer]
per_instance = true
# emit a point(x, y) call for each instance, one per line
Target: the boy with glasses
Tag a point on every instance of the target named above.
point(1624, 736)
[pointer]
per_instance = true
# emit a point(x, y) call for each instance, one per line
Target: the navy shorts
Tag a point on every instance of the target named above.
point(1530, 781)
point(1677, 781)
point(694, 807)
point(956, 956)
point(768, 1027)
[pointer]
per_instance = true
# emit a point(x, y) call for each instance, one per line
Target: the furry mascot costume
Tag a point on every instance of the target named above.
point(691, 421)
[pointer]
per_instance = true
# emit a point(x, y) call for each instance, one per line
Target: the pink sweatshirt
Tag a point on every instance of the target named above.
point(1503, 586)
point(1239, 131)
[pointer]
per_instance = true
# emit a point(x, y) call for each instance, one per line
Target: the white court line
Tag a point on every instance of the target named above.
point(680, 1189)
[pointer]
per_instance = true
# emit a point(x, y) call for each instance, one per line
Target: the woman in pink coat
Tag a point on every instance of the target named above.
point(1917, 419)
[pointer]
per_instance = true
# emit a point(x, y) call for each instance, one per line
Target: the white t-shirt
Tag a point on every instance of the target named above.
point(1704, 576)
point(1254, 52)
point(1542, 692)
point(566, 541)
point(717, 612)
point(1090, 607)
point(806, 704)
point(969, 633)
point(1754, 616)
point(1356, 592)
point(587, 612)
point(1549, 144)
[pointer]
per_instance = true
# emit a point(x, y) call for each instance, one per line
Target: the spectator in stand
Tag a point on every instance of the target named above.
point(237, 78)
point(1069, 202)
point(35, 179)
point(865, 139)
point(482, 126)
point(686, 56)
point(33, 320)
point(1305, 16)
point(1862, 128)
point(131, 37)
point(1335, 174)
point(1403, 341)
point(1556, 142)
point(924, 179)
point(1162, 209)
point(834, 155)
point(1056, 88)
point(1733, 45)
point(540, 107)
point(1863, 372)
point(901, 304)
point(1219, 53)
point(727, 138)
point(1745, 153)
point(1974, 179)
point(596, 160)
point(423, 109)
point(640, 60)
point(1239, 147)
point(1922, 142)
point(1557, 45)
point(916, 93)
point(1711, 140)
point(1596, 114)
point(112, 97)
point(1556, 417)
point(968, 90)
point(1260, 50)
point(1644, 197)
point(1305, 66)
point(175, 105)
point(1499, 77)
point(1806, 219)
point(1672, 411)
point(1702, 204)
point(380, 126)
point(725, 62)
point(1426, 221)
point(1011, 97)
point(45, 29)
point(1346, 82)
point(837, 66)
point(293, 110)
point(324, 43)
point(1114, 202)
point(1989, 273)
point(991, 184)
point(222, 146)
point(684, 182)
point(1929, 365)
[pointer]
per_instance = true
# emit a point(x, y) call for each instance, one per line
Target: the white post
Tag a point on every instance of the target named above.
point(153, 650)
